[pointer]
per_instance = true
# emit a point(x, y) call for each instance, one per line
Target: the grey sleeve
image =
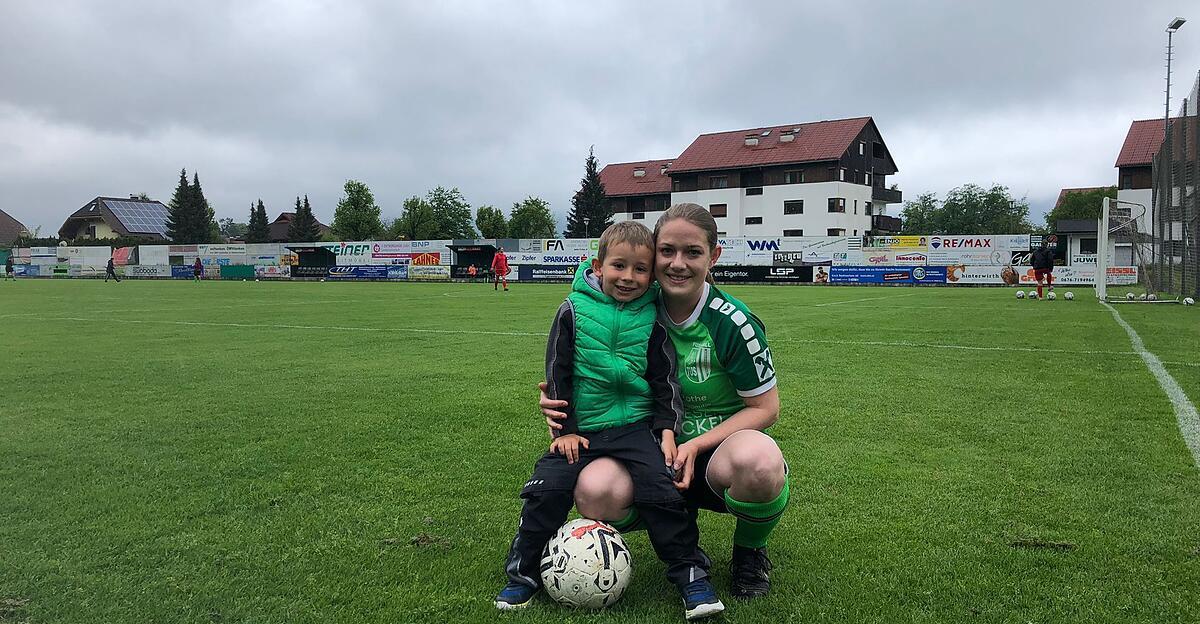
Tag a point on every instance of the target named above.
point(560, 364)
point(662, 373)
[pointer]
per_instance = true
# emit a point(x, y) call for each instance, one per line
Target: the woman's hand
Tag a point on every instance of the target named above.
point(685, 464)
point(549, 409)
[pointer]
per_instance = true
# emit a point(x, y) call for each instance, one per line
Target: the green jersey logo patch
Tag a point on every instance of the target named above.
point(698, 364)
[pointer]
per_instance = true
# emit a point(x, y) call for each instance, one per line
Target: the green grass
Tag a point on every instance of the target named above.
point(299, 452)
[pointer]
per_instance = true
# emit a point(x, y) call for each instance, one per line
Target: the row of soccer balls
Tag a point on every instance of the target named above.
point(1070, 296)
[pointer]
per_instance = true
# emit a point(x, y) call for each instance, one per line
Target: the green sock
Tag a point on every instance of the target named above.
point(755, 521)
point(631, 522)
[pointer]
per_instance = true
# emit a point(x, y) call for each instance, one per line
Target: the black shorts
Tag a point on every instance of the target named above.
point(635, 446)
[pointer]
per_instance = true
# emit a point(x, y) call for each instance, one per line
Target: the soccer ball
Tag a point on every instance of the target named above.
point(1189, 301)
point(1130, 296)
point(586, 565)
point(1152, 297)
point(1020, 294)
point(256, 279)
point(1142, 297)
point(1052, 296)
point(1033, 294)
point(1069, 296)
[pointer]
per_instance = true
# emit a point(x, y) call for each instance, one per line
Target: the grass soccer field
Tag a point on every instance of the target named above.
point(352, 452)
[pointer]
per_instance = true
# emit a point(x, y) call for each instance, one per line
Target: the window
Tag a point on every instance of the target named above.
point(837, 204)
point(639, 215)
point(855, 207)
point(793, 177)
point(878, 149)
point(754, 191)
point(676, 185)
point(842, 174)
point(1127, 181)
point(718, 182)
point(867, 178)
point(1087, 245)
point(753, 220)
point(870, 209)
point(793, 206)
point(856, 232)
point(717, 210)
point(793, 232)
point(862, 148)
point(835, 232)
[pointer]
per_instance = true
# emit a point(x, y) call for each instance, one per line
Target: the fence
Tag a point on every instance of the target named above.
point(1176, 237)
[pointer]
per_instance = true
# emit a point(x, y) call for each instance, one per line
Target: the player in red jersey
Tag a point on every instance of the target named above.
point(500, 269)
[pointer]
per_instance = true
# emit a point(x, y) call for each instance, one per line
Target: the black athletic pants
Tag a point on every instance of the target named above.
point(550, 493)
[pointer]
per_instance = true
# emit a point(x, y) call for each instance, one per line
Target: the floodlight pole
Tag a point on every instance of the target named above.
point(1171, 28)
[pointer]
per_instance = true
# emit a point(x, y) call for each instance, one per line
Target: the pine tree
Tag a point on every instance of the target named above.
point(204, 220)
point(259, 231)
point(590, 214)
point(177, 210)
point(303, 228)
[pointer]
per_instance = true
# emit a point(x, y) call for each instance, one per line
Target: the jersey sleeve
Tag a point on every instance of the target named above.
point(742, 340)
point(560, 365)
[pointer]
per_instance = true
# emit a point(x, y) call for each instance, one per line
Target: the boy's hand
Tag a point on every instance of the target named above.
point(685, 465)
point(569, 445)
point(668, 446)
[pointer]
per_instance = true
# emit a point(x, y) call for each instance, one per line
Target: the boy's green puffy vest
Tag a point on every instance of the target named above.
point(611, 340)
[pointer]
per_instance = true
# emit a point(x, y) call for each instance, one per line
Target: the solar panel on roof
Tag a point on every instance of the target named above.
point(142, 217)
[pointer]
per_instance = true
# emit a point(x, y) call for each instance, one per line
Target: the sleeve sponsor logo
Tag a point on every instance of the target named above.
point(764, 366)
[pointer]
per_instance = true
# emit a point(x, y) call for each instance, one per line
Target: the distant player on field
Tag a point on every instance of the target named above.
point(111, 271)
point(610, 356)
point(500, 268)
point(8, 269)
point(197, 270)
point(1043, 267)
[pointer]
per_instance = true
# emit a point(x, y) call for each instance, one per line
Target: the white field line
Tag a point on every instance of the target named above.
point(412, 330)
point(1185, 412)
point(189, 307)
point(931, 345)
point(833, 303)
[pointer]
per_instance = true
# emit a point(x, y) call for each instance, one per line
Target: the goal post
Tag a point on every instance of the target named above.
point(1120, 242)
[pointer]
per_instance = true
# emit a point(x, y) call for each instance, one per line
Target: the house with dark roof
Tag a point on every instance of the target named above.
point(826, 178)
point(279, 228)
point(1135, 166)
point(10, 229)
point(112, 217)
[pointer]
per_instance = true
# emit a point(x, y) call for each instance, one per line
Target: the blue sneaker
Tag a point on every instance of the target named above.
point(515, 596)
point(700, 600)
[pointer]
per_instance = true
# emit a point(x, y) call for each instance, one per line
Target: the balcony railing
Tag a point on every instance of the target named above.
point(887, 196)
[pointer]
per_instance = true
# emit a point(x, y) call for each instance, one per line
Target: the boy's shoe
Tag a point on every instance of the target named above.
point(700, 600)
point(750, 570)
point(515, 596)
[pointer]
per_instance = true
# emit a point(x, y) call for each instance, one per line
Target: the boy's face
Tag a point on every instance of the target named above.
point(626, 271)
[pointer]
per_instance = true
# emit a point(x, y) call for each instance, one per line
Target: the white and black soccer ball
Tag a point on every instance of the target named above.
point(1020, 294)
point(1033, 294)
point(1142, 297)
point(1069, 296)
point(586, 565)
point(1189, 301)
point(1130, 296)
point(1152, 297)
point(1052, 296)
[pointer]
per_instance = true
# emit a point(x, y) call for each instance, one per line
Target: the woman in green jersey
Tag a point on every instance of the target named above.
point(724, 461)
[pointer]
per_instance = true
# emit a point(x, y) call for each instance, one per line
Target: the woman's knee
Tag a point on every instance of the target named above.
point(604, 490)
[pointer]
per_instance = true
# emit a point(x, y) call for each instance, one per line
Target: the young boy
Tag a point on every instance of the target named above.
point(613, 361)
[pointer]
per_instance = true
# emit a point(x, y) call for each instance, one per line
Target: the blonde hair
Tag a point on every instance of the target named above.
point(630, 232)
point(698, 216)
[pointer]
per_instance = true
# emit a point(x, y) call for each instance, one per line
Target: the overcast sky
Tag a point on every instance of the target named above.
point(502, 100)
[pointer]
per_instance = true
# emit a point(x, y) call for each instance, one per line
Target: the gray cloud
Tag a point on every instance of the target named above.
point(275, 99)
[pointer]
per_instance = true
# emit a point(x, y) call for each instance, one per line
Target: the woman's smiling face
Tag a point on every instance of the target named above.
point(682, 259)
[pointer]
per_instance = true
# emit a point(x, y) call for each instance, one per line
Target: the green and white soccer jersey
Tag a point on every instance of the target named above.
point(723, 357)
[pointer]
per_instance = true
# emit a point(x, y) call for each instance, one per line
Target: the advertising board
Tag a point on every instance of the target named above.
point(886, 275)
point(362, 272)
point(148, 270)
point(439, 273)
point(310, 271)
point(272, 271)
point(560, 273)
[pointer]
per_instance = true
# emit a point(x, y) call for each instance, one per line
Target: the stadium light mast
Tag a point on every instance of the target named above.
point(1171, 28)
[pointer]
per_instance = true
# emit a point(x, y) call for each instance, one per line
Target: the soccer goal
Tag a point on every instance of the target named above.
point(1122, 244)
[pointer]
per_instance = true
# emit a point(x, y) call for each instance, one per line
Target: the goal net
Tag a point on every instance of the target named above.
point(1124, 253)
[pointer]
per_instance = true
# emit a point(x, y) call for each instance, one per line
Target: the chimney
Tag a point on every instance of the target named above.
point(663, 169)
point(639, 172)
point(133, 196)
point(751, 140)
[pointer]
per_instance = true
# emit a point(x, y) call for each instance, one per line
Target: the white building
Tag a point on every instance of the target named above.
point(826, 178)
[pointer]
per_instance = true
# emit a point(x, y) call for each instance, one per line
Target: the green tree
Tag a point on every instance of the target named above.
point(969, 210)
point(531, 219)
point(258, 231)
point(304, 228)
point(179, 222)
point(1079, 205)
point(416, 222)
point(231, 229)
point(206, 220)
point(356, 216)
point(491, 222)
point(590, 213)
point(452, 213)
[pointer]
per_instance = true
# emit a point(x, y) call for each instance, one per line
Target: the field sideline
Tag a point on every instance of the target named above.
point(351, 452)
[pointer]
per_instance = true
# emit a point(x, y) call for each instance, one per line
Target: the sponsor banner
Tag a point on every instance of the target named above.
point(25, 270)
point(570, 246)
point(808, 257)
point(546, 272)
point(181, 271)
point(1013, 242)
point(760, 251)
point(221, 250)
point(1078, 259)
point(877, 257)
point(755, 273)
point(397, 272)
point(439, 273)
point(148, 270)
point(121, 255)
point(886, 275)
point(946, 243)
point(1085, 274)
point(272, 271)
point(180, 250)
point(733, 251)
point(968, 255)
point(43, 252)
point(547, 258)
point(153, 254)
point(1035, 241)
point(920, 243)
point(849, 258)
point(981, 274)
point(910, 258)
point(309, 271)
point(87, 255)
point(22, 255)
point(370, 271)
